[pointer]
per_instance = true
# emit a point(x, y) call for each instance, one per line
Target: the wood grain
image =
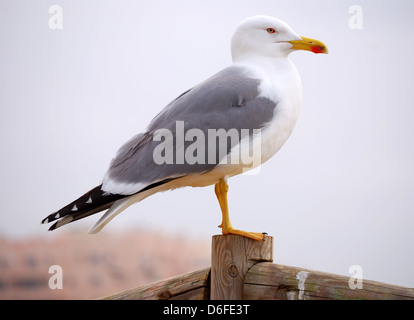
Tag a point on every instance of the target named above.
point(190, 286)
point(231, 257)
point(267, 281)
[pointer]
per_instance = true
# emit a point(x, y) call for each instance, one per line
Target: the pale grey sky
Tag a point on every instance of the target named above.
point(339, 193)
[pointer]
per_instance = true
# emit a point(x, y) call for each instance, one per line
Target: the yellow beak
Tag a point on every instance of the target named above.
point(308, 44)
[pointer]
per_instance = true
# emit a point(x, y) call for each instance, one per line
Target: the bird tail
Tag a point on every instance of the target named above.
point(90, 203)
point(117, 208)
point(97, 200)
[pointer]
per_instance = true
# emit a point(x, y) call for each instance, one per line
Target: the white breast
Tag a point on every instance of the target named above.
point(281, 83)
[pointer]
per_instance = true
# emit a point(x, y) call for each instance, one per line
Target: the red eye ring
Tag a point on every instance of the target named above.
point(271, 30)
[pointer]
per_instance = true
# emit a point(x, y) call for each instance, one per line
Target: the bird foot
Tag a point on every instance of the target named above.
point(252, 235)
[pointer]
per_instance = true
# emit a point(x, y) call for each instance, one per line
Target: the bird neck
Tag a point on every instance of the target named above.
point(280, 80)
point(265, 65)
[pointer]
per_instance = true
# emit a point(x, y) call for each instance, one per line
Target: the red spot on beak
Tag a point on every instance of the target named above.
point(317, 49)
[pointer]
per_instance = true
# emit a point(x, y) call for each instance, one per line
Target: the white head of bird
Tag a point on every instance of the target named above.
point(269, 37)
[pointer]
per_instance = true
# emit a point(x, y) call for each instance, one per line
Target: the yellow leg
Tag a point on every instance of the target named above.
point(221, 189)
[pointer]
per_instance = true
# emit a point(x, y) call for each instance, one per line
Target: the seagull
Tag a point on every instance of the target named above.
point(250, 107)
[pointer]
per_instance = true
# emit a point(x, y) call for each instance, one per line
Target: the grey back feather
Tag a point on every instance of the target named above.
point(228, 100)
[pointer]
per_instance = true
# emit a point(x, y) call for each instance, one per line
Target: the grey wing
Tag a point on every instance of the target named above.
point(229, 100)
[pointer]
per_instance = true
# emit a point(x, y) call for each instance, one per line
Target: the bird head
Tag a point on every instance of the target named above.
point(267, 36)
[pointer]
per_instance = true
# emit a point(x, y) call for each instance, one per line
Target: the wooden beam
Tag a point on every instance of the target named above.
point(231, 257)
point(276, 282)
point(241, 268)
point(190, 286)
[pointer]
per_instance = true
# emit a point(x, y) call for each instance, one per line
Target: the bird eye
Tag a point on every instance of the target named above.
point(271, 30)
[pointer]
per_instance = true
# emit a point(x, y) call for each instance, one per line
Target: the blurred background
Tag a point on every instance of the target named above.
point(339, 193)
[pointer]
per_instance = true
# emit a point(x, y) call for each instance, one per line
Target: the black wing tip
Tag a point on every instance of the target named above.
point(53, 226)
point(50, 218)
point(72, 207)
point(90, 203)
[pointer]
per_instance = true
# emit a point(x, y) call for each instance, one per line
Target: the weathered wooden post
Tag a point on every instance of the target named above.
point(231, 258)
point(242, 269)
